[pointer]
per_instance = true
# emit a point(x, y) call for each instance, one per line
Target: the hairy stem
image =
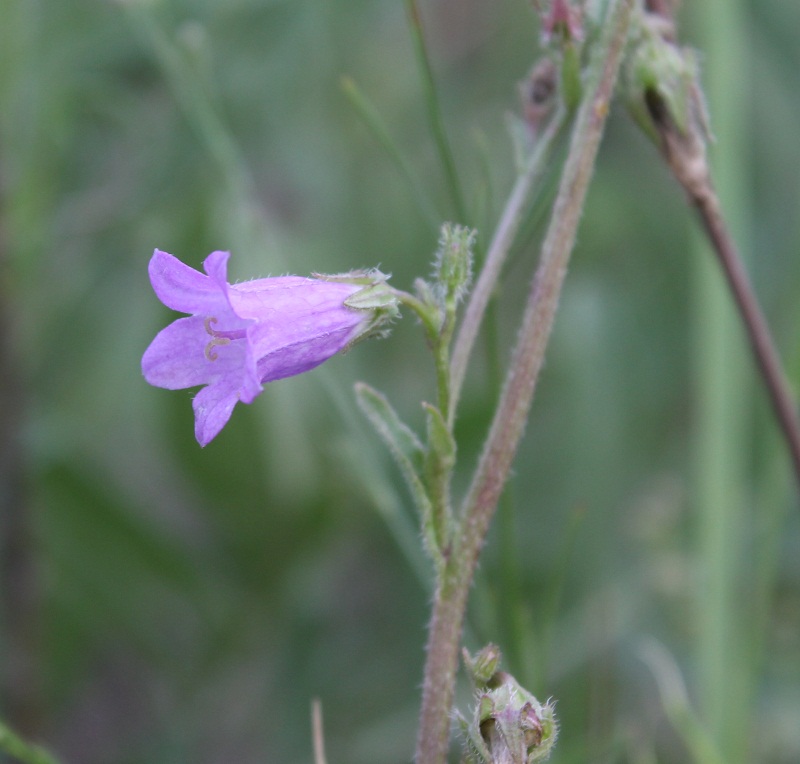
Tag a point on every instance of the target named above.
point(511, 416)
point(507, 427)
point(496, 256)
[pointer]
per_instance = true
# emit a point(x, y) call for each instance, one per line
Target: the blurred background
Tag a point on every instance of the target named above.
point(167, 603)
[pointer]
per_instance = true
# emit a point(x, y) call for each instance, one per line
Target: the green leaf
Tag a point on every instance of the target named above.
point(408, 452)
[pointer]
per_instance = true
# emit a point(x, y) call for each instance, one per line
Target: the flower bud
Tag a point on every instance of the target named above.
point(658, 70)
point(483, 665)
point(453, 265)
point(564, 19)
point(509, 725)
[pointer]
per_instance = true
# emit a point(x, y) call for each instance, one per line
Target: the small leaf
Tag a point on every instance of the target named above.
point(407, 451)
point(401, 439)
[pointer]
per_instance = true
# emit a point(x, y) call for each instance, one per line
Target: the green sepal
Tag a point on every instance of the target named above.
point(374, 296)
point(475, 750)
point(409, 453)
point(367, 277)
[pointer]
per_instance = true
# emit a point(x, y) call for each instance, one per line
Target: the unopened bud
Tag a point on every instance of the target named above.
point(483, 665)
point(508, 724)
point(453, 265)
point(660, 75)
point(537, 93)
point(562, 19)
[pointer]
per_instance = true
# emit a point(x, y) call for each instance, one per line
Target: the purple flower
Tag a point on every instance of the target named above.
point(239, 336)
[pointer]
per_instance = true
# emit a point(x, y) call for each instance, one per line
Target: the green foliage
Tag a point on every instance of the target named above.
point(189, 603)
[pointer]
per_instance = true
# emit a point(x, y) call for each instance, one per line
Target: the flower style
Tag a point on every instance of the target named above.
point(240, 336)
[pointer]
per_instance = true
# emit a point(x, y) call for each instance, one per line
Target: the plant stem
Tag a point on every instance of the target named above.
point(444, 637)
point(507, 427)
point(758, 332)
point(685, 153)
point(435, 114)
point(375, 124)
point(511, 416)
point(503, 238)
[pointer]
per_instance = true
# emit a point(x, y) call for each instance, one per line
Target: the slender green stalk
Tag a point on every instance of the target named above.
point(502, 240)
point(24, 218)
point(508, 425)
point(194, 101)
point(728, 663)
point(721, 388)
point(377, 127)
point(15, 746)
point(247, 229)
point(439, 345)
point(435, 114)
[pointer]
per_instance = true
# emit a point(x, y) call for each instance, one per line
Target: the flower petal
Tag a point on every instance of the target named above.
point(213, 406)
point(216, 266)
point(287, 296)
point(177, 357)
point(183, 288)
point(324, 330)
point(304, 355)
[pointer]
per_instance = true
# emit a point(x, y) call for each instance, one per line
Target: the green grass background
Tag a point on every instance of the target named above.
point(185, 604)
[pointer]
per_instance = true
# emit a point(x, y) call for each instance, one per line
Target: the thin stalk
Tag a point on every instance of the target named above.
point(503, 238)
point(755, 324)
point(685, 153)
point(723, 421)
point(194, 100)
point(22, 214)
point(20, 749)
point(479, 507)
point(439, 343)
point(435, 114)
point(442, 362)
point(246, 228)
point(371, 118)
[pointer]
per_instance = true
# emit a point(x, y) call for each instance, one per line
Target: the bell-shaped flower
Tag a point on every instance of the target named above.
point(239, 336)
